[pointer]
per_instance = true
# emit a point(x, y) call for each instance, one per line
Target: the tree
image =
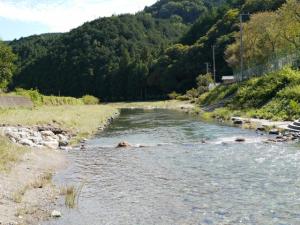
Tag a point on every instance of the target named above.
point(267, 35)
point(261, 39)
point(7, 59)
point(289, 15)
point(203, 82)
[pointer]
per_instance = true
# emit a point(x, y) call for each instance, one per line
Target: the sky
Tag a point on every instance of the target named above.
point(21, 18)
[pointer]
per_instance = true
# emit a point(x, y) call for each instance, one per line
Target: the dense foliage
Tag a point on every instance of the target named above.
point(108, 58)
point(7, 59)
point(177, 68)
point(268, 35)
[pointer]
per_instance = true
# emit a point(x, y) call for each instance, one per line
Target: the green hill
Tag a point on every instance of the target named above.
point(129, 57)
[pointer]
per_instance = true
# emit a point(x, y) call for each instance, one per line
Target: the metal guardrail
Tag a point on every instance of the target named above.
point(15, 101)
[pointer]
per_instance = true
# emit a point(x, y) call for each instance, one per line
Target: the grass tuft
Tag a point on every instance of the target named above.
point(72, 195)
point(9, 153)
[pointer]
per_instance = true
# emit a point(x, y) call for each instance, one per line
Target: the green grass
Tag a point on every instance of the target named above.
point(274, 96)
point(72, 195)
point(171, 104)
point(82, 120)
point(9, 153)
point(39, 99)
point(218, 94)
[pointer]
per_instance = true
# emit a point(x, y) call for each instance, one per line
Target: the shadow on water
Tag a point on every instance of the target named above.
point(178, 179)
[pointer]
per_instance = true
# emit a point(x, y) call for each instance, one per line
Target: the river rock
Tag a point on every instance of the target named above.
point(26, 142)
point(261, 129)
point(240, 140)
point(47, 133)
point(56, 214)
point(123, 144)
point(63, 143)
point(238, 122)
point(274, 132)
point(51, 144)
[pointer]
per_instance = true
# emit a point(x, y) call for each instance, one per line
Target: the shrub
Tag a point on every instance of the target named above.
point(39, 99)
point(54, 100)
point(90, 100)
point(34, 95)
point(193, 93)
point(183, 98)
point(256, 92)
point(203, 82)
point(173, 95)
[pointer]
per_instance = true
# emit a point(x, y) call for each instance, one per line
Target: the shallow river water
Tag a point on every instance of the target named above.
point(177, 179)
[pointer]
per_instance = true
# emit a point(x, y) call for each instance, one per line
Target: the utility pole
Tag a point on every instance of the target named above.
point(214, 62)
point(207, 67)
point(242, 47)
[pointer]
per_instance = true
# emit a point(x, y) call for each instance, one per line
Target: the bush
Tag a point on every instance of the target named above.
point(54, 100)
point(90, 100)
point(34, 95)
point(39, 99)
point(183, 98)
point(173, 95)
point(192, 94)
point(256, 92)
point(203, 82)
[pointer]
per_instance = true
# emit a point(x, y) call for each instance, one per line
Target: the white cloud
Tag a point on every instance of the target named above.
point(61, 16)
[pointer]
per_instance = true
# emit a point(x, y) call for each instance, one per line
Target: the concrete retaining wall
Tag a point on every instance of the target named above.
point(14, 101)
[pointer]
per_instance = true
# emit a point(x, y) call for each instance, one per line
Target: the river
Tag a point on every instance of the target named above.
point(179, 180)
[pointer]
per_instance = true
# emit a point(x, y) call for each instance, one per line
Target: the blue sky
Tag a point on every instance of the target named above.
point(21, 18)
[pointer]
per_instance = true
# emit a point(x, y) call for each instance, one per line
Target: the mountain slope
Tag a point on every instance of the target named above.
point(96, 58)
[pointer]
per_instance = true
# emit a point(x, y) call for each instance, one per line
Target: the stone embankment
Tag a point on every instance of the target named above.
point(37, 136)
point(279, 131)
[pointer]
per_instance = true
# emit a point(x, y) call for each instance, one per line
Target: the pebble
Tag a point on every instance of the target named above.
point(56, 214)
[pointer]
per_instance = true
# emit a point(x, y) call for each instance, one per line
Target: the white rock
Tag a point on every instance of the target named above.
point(47, 133)
point(56, 214)
point(36, 140)
point(26, 142)
point(23, 135)
point(62, 137)
point(51, 144)
point(16, 136)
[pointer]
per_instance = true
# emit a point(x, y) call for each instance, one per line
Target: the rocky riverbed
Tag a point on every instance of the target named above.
point(37, 136)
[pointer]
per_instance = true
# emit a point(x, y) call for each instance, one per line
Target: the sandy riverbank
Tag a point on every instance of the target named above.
point(27, 194)
point(26, 191)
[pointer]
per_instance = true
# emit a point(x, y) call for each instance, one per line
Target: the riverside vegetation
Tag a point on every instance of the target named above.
point(274, 96)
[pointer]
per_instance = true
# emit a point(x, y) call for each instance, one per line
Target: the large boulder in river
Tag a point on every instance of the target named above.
point(123, 144)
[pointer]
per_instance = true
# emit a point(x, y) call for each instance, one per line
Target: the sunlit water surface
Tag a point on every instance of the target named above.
point(177, 179)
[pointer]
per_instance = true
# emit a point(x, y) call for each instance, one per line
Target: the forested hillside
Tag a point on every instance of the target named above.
point(108, 57)
point(142, 56)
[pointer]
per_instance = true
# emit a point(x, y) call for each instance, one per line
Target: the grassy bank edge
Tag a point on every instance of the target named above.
point(83, 121)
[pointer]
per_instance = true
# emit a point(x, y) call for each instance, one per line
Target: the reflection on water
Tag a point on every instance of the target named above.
point(177, 179)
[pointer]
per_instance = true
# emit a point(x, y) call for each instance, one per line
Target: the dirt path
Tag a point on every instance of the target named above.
point(26, 192)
